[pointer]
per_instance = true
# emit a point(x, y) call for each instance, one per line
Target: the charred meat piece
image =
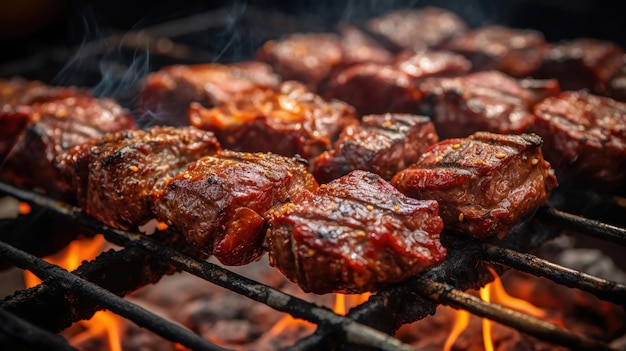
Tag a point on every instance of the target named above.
point(515, 52)
point(416, 29)
point(353, 235)
point(582, 64)
point(289, 121)
point(165, 95)
point(358, 47)
point(484, 184)
point(114, 176)
point(585, 137)
point(432, 64)
point(381, 144)
point(374, 88)
point(482, 101)
point(50, 128)
point(220, 201)
point(306, 57)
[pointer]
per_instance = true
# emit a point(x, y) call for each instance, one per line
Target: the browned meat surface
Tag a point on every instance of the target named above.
point(515, 52)
point(165, 95)
point(582, 64)
point(358, 47)
point(417, 29)
point(585, 137)
point(381, 144)
point(355, 234)
point(47, 128)
point(289, 121)
point(114, 176)
point(374, 88)
point(432, 64)
point(18, 91)
point(220, 201)
point(484, 184)
point(309, 58)
point(616, 86)
point(482, 101)
point(540, 89)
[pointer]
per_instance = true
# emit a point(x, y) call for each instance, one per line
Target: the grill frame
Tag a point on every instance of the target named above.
point(352, 329)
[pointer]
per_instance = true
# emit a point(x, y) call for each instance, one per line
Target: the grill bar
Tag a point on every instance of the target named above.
point(116, 304)
point(587, 226)
point(447, 295)
point(604, 289)
point(31, 335)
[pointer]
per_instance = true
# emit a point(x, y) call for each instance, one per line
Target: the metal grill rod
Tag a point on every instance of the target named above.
point(447, 295)
point(116, 304)
point(587, 226)
point(31, 335)
point(603, 289)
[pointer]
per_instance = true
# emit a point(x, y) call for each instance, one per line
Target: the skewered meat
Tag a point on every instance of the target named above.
point(166, 94)
point(485, 184)
point(515, 52)
point(373, 89)
point(376, 88)
point(417, 29)
point(358, 47)
point(482, 101)
point(585, 137)
point(114, 176)
point(308, 58)
point(432, 64)
point(219, 201)
point(41, 131)
point(582, 64)
point(381, 144)
point(353, 235)
point(289, 121)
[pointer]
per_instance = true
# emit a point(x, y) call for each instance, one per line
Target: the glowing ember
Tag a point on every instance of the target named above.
point(24, 208)
point(103, 323)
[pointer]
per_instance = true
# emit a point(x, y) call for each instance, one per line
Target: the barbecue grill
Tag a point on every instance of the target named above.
point(32, 318)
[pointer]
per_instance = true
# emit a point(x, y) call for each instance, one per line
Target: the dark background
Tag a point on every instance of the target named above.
point(47, 39)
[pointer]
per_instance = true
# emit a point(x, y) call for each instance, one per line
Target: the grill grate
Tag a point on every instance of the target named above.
point(357, 328)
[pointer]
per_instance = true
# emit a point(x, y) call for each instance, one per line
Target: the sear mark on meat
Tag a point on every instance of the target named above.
point(484, 184)
point(381, 144)
point(114, 176)
point(354, 234)
point(585, 137)
point(219, 201)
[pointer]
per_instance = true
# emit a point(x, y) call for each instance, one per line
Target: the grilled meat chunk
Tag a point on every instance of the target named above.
point(416, 29)
point(165, 95)
point(114, 176)
point(381, 144)
point(355, 234)
point(582, 64)
point(41, 131)
point(374, 88)
point(432, 64)
point(359, 47)
point(484, 184)
point(482, 101)
point(219, 201)
point(309, 58)
point(289, 121)
point(585, 137)
point(515, 52)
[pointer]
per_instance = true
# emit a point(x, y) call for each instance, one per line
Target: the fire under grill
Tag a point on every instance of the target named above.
point(32, 318)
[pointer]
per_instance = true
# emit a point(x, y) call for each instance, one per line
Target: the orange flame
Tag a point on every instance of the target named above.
point(102, 322)
point(460, 323)
point(485, 294)
point(344, 302)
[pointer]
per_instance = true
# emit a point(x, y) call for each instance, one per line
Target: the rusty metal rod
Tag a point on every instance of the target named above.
point(51, 273)
point(27, 334)
point(447, 295)
point(602, 288)
point(355, 333)
point(584, 225)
